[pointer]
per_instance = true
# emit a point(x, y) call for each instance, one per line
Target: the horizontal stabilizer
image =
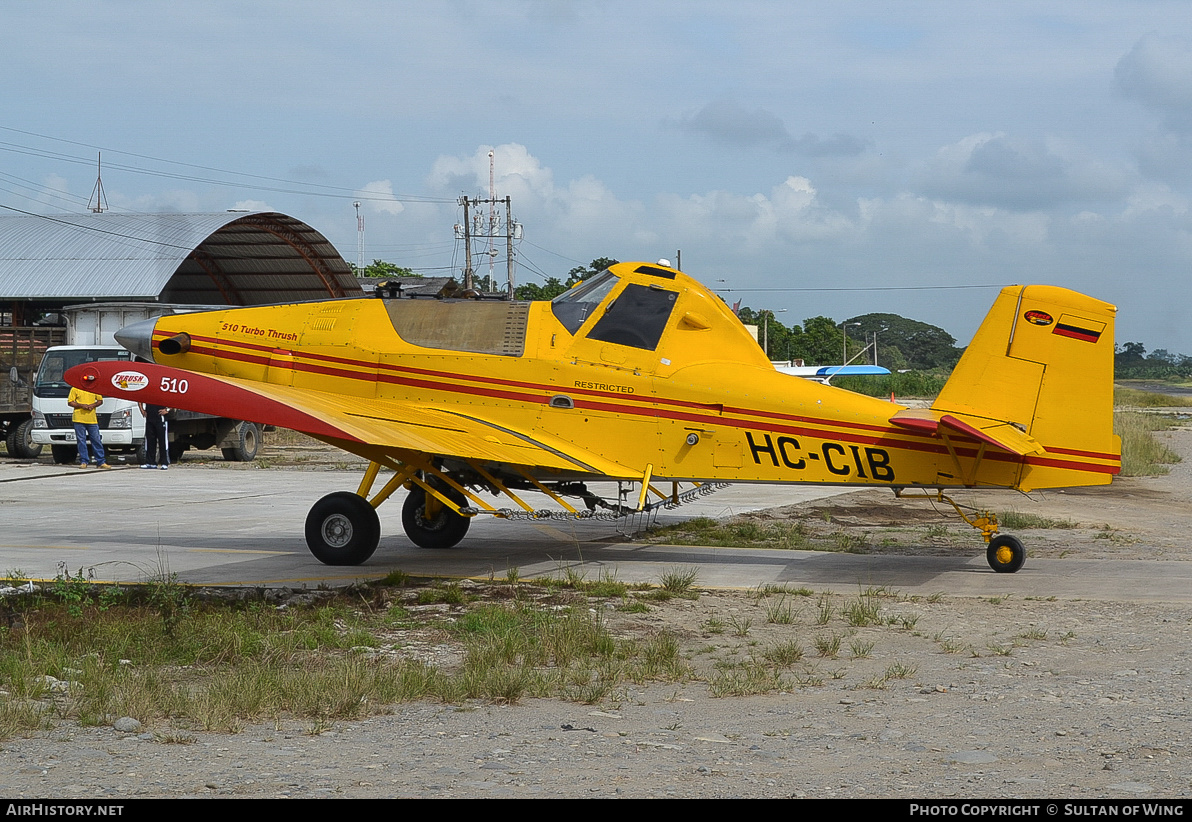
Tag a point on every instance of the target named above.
point(1001, 434)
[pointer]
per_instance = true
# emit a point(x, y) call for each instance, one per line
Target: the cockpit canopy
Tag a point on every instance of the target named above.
point(636, 317)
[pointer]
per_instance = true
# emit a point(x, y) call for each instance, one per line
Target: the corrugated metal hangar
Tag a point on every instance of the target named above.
point(227, 258)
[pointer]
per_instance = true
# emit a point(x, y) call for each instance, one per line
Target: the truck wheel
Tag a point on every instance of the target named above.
point(20, 441)
point(64, 454)
point(176, 450)
point(248, 440)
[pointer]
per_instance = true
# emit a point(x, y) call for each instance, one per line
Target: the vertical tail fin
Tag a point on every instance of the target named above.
point(1043, 361)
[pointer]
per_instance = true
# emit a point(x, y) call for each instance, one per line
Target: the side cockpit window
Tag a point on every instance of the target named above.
point(574, 306)
point(637, 317)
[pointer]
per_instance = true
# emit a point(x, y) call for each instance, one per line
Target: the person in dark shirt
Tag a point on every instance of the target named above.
point(157, 445)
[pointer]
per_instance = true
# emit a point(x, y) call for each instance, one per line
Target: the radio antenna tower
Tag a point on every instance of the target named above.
point(474, 229)
point(97, 195)
point(359, 239)
point(492, 220)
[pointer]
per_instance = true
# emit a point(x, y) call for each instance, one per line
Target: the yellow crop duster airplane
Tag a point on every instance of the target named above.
point(639, 375)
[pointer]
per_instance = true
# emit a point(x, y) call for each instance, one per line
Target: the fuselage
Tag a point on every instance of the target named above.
point(642, 366)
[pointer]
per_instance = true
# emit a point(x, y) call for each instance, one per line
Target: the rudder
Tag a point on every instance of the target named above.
point(1042, 361)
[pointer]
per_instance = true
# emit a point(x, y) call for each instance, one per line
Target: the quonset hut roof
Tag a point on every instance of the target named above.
point(227, 258)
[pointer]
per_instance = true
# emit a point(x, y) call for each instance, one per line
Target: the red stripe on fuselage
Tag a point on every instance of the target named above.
point(649, 407)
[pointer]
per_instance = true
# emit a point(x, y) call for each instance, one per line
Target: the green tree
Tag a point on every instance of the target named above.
point(823, 342)
point(580, 273)
point(383, 270)
point(532, 291)
point(554, 286)
point(921, 345)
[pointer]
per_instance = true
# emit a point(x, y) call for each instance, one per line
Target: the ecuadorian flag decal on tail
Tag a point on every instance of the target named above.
point(1078, 328)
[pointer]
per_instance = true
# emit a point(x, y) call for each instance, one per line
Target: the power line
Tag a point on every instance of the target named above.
point(96, 230)
point(338, 192)
point(866, 288)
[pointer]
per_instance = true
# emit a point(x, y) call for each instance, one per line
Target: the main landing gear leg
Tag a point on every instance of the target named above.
point(1005, 554)
point(431, 524)
point(343, 528)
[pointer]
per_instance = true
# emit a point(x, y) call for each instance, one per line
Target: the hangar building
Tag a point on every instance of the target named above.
point(226, 258)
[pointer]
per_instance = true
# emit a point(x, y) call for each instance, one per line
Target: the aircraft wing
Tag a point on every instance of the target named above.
point(357, 424)
point(1002, 434)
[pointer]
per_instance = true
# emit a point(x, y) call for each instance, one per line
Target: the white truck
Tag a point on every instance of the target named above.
point(90, 331)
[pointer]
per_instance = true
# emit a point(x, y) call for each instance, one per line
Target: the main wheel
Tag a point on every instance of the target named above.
point(1005, 554)
point(64, 454)
point(248, 439)
point(20, 441)
point(342, 529)
point(443, 528)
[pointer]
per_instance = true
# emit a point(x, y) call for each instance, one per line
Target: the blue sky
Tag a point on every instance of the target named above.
point(848, 157)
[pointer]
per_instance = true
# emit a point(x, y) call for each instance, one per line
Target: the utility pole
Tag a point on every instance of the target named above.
point(467, 238)
point(475, 228)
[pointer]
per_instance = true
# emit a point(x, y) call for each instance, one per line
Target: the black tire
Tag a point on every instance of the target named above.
point(342, 529)
point(142, 456)
point(64, 454)
point(444, 531)
point(248, 440)
point(175, 450)
point(20, 441)
point(1005, 554)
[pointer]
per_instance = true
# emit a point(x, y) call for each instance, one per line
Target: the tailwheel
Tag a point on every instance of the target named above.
point(342, 529)
point(431, 524)
point(1006, 554)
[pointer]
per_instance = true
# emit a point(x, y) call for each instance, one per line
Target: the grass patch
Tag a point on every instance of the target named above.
point(1133, 398)
point(862, 612)
point(1020, 521)
point(1142, 453)
point(739, 533)
point(185, 666)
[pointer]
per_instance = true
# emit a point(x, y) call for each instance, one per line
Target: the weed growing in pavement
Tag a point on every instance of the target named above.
point(860, 649)
point(824, 610)
point(862, 612)
point(741, 625)
point(784, 654)
point(680, 581)
point(780, 612)
point(827, 646)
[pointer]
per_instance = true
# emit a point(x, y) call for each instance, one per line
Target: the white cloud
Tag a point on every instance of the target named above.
point(378, 196)
point(1153, 197)
point(516, 172)
point(176, 200)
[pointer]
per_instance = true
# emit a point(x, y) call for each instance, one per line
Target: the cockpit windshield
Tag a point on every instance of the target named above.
point(574, 306)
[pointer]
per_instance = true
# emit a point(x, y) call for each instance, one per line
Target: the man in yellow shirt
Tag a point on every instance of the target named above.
point(86, 425)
